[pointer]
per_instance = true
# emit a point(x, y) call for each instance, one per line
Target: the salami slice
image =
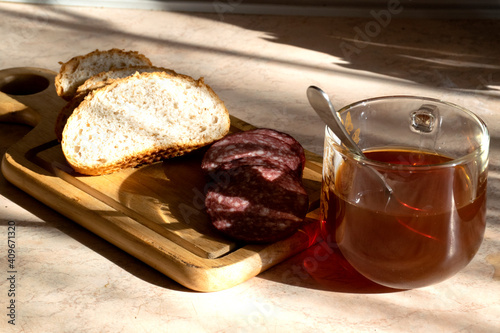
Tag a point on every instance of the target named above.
point(253, 147)
point(258, 203)
point(290, 140)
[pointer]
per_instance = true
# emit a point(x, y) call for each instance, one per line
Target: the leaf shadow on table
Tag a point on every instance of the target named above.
point(450, 54)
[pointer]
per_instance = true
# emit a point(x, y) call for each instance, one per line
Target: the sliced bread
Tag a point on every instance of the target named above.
point(78, 69)
point(65, 113)
point(142, 119)
point(98, 81)
point(104, 78)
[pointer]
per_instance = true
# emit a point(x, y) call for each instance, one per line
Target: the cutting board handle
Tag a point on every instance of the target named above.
point(20, 91)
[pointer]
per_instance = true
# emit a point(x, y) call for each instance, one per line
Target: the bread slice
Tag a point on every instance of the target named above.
point(98, 81)
point(142, 119)
point(65, 113)
point(104, 78)
point(78, 69)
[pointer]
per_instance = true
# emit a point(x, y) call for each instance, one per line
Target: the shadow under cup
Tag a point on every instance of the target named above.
point(412, 212)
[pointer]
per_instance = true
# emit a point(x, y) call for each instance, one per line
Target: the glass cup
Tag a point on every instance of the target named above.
point(412, 211)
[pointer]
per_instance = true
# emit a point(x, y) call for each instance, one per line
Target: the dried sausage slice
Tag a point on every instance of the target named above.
point(253, 148)
point(290, 140)
point(258, 203)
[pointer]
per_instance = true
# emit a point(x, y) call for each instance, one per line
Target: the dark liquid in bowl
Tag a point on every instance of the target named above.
point(429, 229)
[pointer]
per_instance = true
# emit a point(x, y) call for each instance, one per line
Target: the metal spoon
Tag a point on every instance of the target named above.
point(321, 103)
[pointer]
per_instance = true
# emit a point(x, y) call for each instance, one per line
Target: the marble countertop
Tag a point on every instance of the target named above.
point(70, 280)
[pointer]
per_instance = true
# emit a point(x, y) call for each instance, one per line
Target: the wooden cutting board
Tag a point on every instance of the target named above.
point(153, 212)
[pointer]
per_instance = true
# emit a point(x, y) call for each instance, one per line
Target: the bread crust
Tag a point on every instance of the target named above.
point(65, 113)
point(146, 156)
point(72, 65)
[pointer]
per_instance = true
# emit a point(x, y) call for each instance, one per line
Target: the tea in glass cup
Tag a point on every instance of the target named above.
point(412, 211)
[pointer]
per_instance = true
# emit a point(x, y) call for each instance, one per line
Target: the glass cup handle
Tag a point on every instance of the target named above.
point(424, 119)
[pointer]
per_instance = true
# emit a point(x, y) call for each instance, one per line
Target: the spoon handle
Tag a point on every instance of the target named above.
point(320, 102)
